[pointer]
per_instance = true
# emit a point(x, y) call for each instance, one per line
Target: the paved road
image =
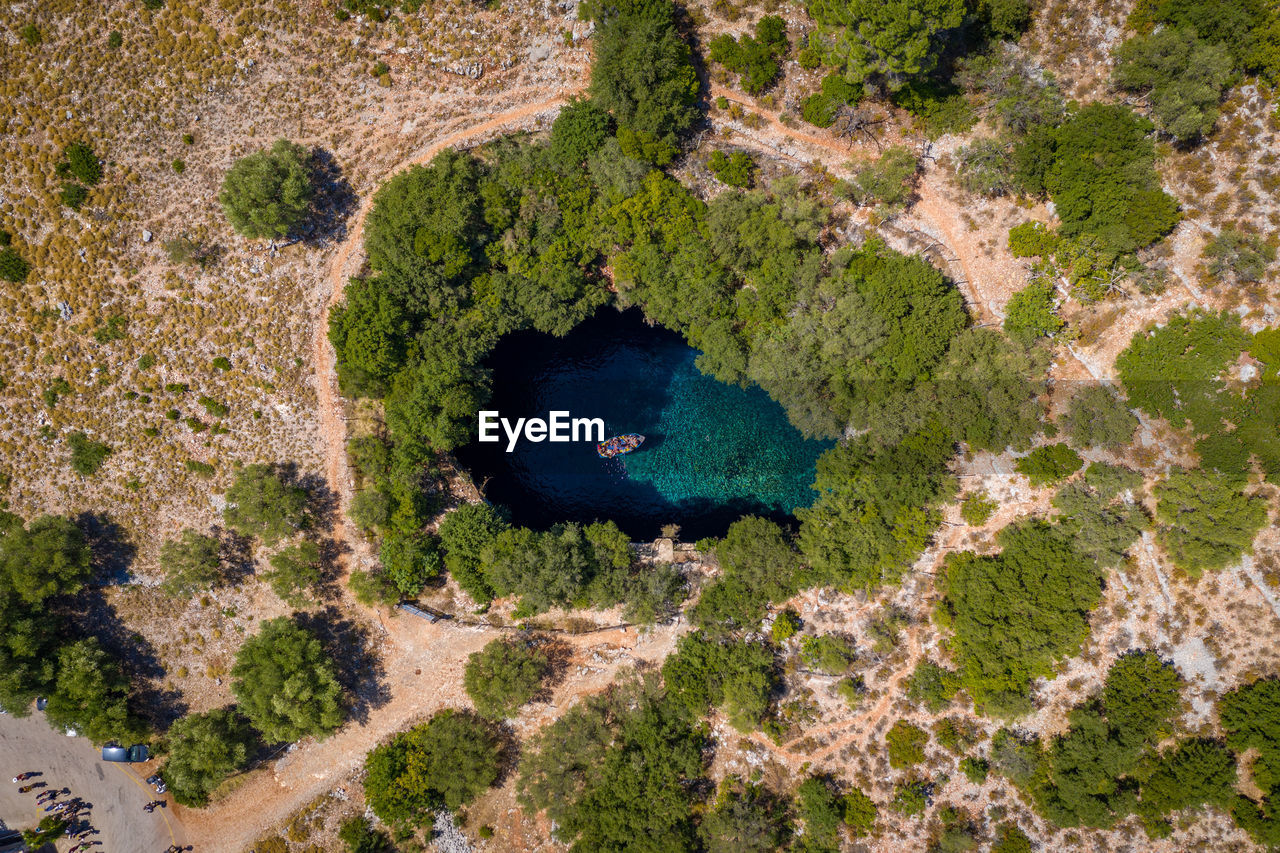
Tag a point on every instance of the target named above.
point(115, 790)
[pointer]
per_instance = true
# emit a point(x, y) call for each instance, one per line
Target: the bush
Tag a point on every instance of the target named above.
point(87, 455)
point(1208, 522)
point(1049, 464)
point(755, 59)
point(1098, 417)
point(286, 683)
point(906, 744)
point(295, 572)
point(829, 653)
point(910, 798)
point(410, 560)
point(114, 40)
point(859, 812)
point(503, 676)
point(267, 194)
point(890, 180)
point(785, 625)
point(1031, 239)
point(932, 685)
point(204, 749)
point(1183, 75)
point(191, 562)
point(1030, 314)
point(260, 503)
point(30, 33)
point(446, 762)
point(1234, 255)
point(178, 166)
point(12, 267)
point(976, 509)
point(578, 132)
point(360, 836)
point(736, 169)
point(466, 534)
point(975, 769)
point(82, 163)
point(74, 195)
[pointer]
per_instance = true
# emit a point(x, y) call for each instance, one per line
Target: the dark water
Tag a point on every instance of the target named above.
point(712, 452)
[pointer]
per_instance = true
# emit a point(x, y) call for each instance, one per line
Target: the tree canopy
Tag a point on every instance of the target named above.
point(504, 675)
point(286, 683)
point(267, 194)
point(204, 749)
point(262, 504)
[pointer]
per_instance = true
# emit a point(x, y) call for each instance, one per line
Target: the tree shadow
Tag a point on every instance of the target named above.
point(358, 665)
point(91, 615)
point(333, 201)
point(236, 551)
point(329, 589)
point(111, 552)
point(559, 655)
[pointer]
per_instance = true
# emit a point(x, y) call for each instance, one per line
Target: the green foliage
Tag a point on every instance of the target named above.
point(889, 41)
point(1103, 179)
point(1238, 256)
point(1031, 239)
point(939, 109)
point(447, 761)
point(44, 558)
point(262, 504)
point(1101, 526)
point(643, 75)
point(87, 455)
point(832, 654)
point(567, 565)
point(48, 830)
point(436, 402)
point(706, 672)
point(1030, 315)
point(578, 132)
point(74, 195)
point(1017, 613)
point(12, 267)
point(1207, 522)
point(1183, 75)
point(875, 509)
point(82, 163)
point(932, 685)
point(1249, 29)
point(30, 33)
point(820, 108)
point(975, 769)
point(785, 626)
point(286, 684)
point(988, 389)
point(1098, 417)
point(889, 180)
point(1049, 464)
point(755, 59)
point(466, 534)
point(736, 169)
point(744, 818)
point(360, 836)
point(91, 695)
point(295, 572)
point(616, 768)
point(977, 508)
point(373, 588)
point(821, 810)
point(267, 194)
point(910, 798)
point(905, 744)
point(505, 675)
point(1172, 372)
point(759, 567)
point(1250, 717)
point(191, 562)
point(410, 560)
point(1010, 839)
point(860, 812)
point(1197, 771)
point(204, 749)
point(114, 329)
point(115, 40)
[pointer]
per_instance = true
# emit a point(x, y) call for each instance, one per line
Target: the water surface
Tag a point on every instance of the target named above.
point(712, 451)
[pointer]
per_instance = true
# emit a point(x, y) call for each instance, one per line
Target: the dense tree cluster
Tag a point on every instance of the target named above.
point(755, 58)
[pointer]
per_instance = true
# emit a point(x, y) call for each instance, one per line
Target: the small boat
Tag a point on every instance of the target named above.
point(619, 445)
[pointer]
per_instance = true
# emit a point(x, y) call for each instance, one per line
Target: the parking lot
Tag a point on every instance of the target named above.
point(116, 791)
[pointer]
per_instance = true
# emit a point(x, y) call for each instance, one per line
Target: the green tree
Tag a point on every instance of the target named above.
point(267, 194)
point(756, 58)
point(616, 768)
point(410, 560)
point(1049, 464)
point(436, 402)
point(1010, 839)
point(191, 562)
point(368, 331)
point(1238, 256)
point(261, 503)
point(91, 694)
point(744, 818)
point(12, 267)
point(465, 534)
point(891, 41)
point(736, 169)
point(1098, 417)
point(447, 761)
point(822, 812)
point(360, 836)
point(505, 675)
point(708, 672)
point(1030, 314)
point(758, 567)
point(204, 749)
point(46, 557)
point(87, 455)
point(286, 683)
point(860, 812)
point(889, 180)
point(1207, 522)
point(932, 685)
point(905, 744)
point(1183, 75)
point(295, 572)
point(578, 132)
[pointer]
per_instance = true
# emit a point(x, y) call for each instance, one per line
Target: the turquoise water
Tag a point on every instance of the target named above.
point(712, 452)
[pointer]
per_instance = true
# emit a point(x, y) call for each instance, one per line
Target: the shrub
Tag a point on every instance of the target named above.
point(214, 407)
point(1183, 75)
point(890, 180)
point(82, 163)
point(1049, 464)
point(87, 455)
point(977, 508)
point(910, 798)
point(905, 744)
point(859, 812)
point(1031, 239)
point(114, 329)
point(1237, 256)
point(1208, 522)
point(267, 194)
point(115, 40)
point(179, 166)
point(191, 562)
point(12, 267)
point(503, 676)
point(578, 132)
point(146, 361)
point(30, 33)
point(260, 503)
point(410, 559)
point(932, 685)
point(975, 769)
point(829, 653)
point(1030, 314)
point(736, 169)
point(785, 625)
point(755, 59)
point(361, 837)
point(1097, 416)
point(295, 571)
point(74, 195)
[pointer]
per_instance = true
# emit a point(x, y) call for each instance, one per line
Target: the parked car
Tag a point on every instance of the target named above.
point(41, 703)
point(129, 755)
point(153, 778)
